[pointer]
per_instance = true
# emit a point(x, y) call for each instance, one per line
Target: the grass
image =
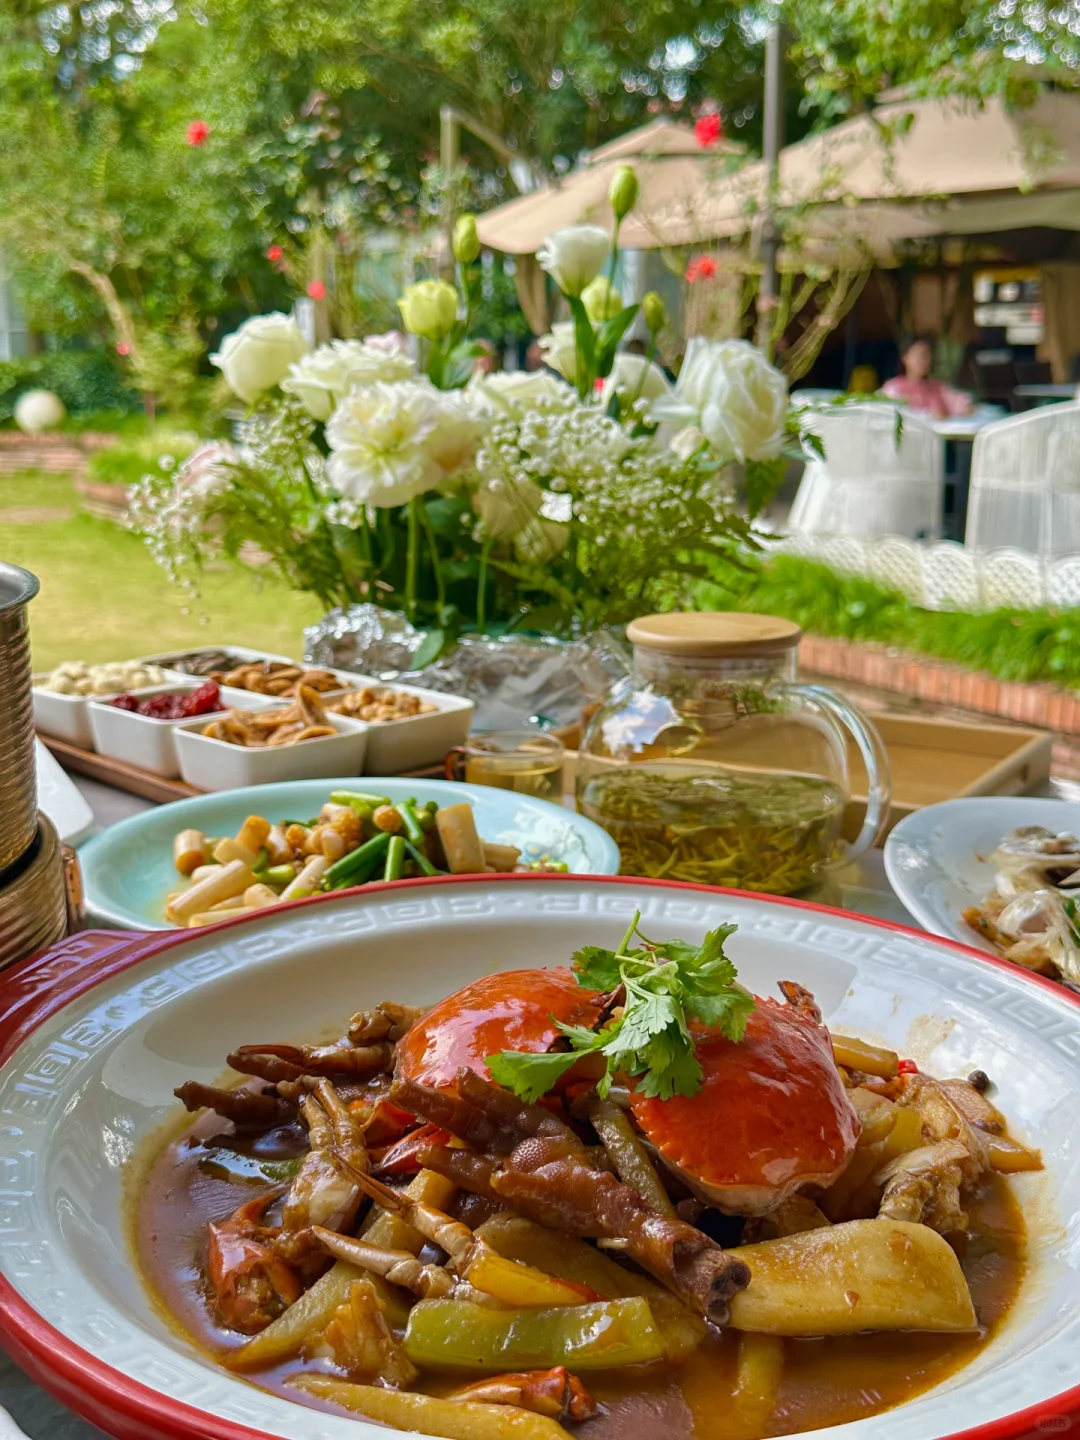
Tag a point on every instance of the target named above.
point(104, 598)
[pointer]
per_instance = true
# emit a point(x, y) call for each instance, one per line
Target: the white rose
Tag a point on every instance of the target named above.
point(506, 507)
point(731, 392)
point(512, 392)
point(379, 438)
point(574, 256)
point(38, 410)
point(559, 350)
point(324, 377)
point(687, 442)
point(257, 357)
point(635, 378)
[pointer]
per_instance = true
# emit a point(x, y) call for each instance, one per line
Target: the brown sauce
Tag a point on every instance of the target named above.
point(825, 1382)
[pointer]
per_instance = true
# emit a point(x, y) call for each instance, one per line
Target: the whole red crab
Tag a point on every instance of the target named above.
point(771, 1116)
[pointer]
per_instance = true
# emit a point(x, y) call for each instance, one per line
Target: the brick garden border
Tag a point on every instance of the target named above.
point(922, 677)
point(54, 452)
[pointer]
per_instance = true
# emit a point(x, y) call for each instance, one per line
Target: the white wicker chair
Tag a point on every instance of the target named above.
point(868, 484)
point(1025, 484)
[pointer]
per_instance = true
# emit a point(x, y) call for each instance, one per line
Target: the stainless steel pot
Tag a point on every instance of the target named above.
point(18, 777)
point(34, 899)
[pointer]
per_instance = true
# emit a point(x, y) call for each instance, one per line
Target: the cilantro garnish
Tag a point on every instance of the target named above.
point(667, 984)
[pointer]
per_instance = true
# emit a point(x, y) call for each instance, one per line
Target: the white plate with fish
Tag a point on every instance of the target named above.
point(938, 859)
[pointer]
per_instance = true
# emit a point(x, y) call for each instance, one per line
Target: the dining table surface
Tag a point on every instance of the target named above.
point(860, 887)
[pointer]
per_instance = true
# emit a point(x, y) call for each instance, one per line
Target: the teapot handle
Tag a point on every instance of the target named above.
point(871, 748)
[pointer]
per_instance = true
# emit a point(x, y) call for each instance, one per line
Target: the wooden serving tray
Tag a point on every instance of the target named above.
point(145, 783)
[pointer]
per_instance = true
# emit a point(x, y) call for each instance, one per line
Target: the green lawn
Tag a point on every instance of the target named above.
point(104, 598)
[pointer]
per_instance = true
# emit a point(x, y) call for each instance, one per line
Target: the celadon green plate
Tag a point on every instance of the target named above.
point(128, 869)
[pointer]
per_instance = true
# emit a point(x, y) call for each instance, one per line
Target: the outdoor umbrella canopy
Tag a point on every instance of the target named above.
point(669, 163)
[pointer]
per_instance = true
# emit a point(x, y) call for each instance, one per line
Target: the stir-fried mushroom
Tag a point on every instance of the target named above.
point(544, 1173)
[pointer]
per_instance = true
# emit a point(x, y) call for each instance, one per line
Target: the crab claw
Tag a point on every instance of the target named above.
point(555, 1393)
point(252, 1284)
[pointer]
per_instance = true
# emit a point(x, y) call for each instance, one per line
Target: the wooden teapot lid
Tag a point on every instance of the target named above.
point(714, 634)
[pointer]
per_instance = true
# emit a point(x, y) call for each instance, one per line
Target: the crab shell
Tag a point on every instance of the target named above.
point(514, 1010)
point(772, 1115)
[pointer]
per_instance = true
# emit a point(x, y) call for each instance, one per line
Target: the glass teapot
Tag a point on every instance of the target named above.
point(709, 763)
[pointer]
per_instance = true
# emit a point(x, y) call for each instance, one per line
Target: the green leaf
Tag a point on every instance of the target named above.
point(611, 332)
point(728, 1012)
point(763, 480)
point(584, 339)
point(430, 649)
point(597, 969)
point(530, 1076)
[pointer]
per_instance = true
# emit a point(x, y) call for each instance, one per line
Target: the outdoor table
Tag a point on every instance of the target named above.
point(1048, 394)
point(860, 887)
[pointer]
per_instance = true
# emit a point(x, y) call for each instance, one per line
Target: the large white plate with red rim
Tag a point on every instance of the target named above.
point(99, 1030)
point(938, 858)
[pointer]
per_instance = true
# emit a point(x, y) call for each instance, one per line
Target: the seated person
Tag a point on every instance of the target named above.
point(918, 389)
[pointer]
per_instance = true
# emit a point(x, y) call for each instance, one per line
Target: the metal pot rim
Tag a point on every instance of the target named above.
point(17, 587)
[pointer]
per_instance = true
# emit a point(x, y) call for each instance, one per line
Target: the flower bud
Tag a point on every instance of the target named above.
point(601, 300)
point(624, 191)
point(652, 307)
point(466, 240)
point(429, 309)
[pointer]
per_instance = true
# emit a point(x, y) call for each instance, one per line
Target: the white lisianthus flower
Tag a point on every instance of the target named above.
point(37, 410)
point(324, 377)
point(512, 392)
point(452, 444)
point(635, 378)
point(429, 309)
point(574, 256)
point(506, 507)
point(731, 392)
point(687, 442)
point(257, 357)
point(601, 300)
point(380, 443)
point(541, 541)
point(559, 350)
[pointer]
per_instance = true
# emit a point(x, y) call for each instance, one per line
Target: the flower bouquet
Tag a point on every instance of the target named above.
point(385, 470)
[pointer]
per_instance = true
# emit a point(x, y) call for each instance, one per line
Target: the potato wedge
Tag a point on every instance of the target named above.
point(425, 1415)
point(865, 1275)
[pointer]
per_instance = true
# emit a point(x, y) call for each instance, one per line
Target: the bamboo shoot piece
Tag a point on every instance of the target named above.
point(569, 1259)
point(523, 1286)
point(759, 1370)
point(230, 881)
point(230, 849)
point(500, 858)
point(393, 1233)
point(424, 1414)
point(215, 917)
point(258, 896)
point(189, 850)
point(603, 1336)
point(871, 1059)
point(461, 844)
point(865, 1275)
point(277, 847)
point(252, 835)
point(308, 880)
point(303, 1320)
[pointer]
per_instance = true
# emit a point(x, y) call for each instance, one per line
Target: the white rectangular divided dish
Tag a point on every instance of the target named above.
point(241, 653)
point(395, 746)
point(142, 740)
point(216, 765)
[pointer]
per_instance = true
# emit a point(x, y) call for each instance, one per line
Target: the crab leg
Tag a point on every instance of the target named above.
point(289, 1062)
point(243, 1107)
point(555, 1393)
point(388, 1021)
point(550, 1181)
point(435, 1225)
point(397, 1266)
point(320, 1194)
point(251, 1282)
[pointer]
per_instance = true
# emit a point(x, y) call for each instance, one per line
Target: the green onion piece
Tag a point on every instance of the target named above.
point(357, 798)
point(395, 858)
point(262, 860)
point(418, 856)
point(278, 875)
point(350, 868)
point(432, 806)
point(413, 828)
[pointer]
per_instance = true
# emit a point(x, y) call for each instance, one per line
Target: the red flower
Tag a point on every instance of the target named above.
point(317, 290)
point(709, 130)
point(123, 348)
point(274, 253)
point(197, 132)
point(701, 267)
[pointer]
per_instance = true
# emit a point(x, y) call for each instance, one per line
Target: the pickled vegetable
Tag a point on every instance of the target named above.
point(602, 1336)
